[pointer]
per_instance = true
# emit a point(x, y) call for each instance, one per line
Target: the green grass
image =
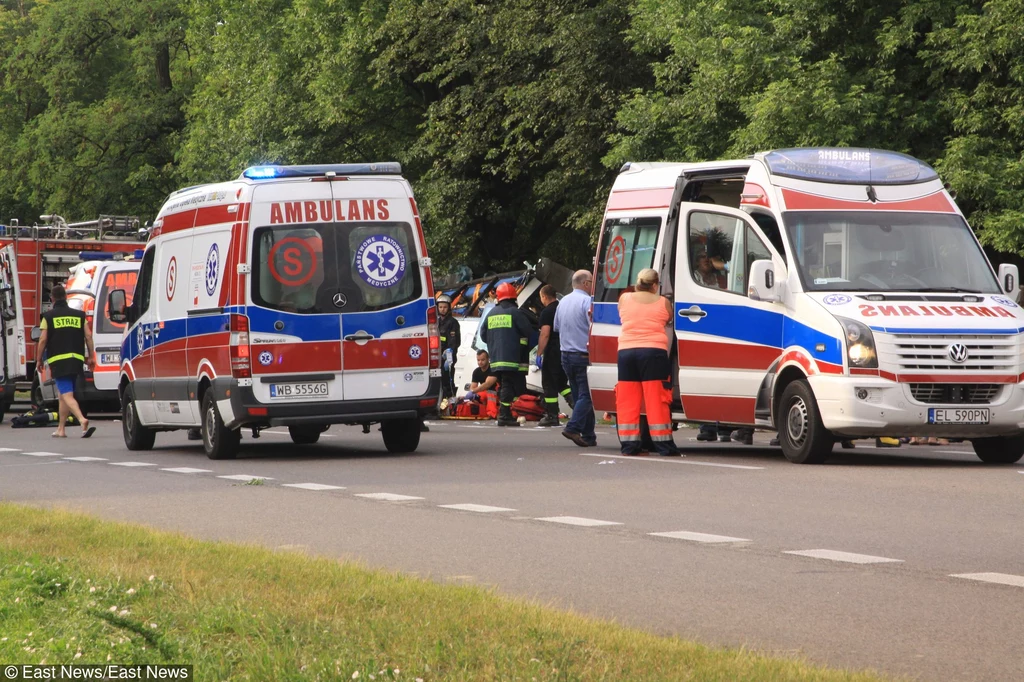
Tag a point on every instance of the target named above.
point(76, 589)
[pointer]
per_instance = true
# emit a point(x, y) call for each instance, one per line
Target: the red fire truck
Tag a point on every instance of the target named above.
point(32, 260)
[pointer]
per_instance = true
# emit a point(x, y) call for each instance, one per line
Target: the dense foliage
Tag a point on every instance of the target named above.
point(511, 118)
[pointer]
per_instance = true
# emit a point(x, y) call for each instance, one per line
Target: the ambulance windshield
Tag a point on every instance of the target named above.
point(887, 251)
point(331, 269)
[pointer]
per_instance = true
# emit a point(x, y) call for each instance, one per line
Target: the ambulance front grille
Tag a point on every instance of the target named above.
point(931, 352)
point(955, 394)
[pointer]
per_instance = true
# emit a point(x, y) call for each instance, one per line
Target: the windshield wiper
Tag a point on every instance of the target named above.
point(956, 290)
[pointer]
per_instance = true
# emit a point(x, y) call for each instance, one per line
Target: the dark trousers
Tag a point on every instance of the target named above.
point(508, 383)
point(583, 420)
point(555, 382)
point(448, 382)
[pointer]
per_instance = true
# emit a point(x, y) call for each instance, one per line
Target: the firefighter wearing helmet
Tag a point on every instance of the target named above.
point(506, 330)
point(451, 339)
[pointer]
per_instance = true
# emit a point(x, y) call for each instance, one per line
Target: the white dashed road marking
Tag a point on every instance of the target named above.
point(388, 497)
point(19, 450)
point(188, 470)
point(999, 578)
point(44, 454)
point(698, 537)
point(578, 521)
point(244, 477)
point(312, 486)
point(132, 464)
point(482, 508)
point(847, 557)
point(86, 459)
point(671, 460)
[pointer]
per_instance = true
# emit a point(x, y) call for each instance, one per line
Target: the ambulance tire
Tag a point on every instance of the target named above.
point(1000, 449)
point(401, 435)
point(36, 392)
point(219, 441)
point(305, 435)
point(136, 436)
point(802, 435)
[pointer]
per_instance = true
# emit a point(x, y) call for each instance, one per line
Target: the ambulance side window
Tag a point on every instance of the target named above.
point(627, 247)
point(145, 281)
point(722, 249)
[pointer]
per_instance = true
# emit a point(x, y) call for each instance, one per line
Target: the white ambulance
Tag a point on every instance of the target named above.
point(824, 293)
point(296, 296)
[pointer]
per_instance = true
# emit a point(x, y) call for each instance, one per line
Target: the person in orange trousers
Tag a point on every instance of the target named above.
point(644, 369)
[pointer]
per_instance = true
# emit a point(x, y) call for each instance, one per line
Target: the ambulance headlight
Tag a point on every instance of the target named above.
point(860, 344)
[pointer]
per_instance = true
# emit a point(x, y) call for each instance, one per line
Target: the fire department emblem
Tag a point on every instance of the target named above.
point(380, 261)
point(415, 352)
point(212, 269)
point(266, 357)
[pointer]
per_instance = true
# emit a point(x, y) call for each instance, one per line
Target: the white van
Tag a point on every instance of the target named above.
point(296, 296)
point(823, 293)
point(87, 288)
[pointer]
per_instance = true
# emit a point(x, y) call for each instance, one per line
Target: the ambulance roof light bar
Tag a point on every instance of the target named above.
point(849, 166)
point(322, 170)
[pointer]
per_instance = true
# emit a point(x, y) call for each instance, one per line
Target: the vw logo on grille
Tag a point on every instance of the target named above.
point(958, 353)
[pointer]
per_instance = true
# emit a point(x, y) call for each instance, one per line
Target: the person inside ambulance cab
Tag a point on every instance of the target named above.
point(708, 271)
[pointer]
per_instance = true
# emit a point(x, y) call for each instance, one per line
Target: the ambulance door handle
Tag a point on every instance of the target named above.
point(146, 332)
point(692, 312)
point(359, 337)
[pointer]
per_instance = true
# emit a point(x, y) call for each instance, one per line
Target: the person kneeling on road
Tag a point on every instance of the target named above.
point(644, 368)
point(503, 330)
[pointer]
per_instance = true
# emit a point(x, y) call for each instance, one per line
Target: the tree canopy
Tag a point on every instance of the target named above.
point(511, 118)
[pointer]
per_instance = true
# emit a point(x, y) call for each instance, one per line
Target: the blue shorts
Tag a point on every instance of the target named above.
point(65, 384)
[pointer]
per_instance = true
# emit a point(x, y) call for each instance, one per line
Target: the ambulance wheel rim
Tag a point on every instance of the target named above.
point(797, 422)
point(211, 427)
point(129, 417)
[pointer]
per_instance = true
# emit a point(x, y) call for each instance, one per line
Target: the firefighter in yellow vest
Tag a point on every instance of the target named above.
point(66, 343)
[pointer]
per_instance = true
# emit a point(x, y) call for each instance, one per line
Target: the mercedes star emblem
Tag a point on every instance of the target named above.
point(340, 300)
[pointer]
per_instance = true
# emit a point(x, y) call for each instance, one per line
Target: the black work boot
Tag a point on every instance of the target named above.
point(549, 420)
point(505, 417)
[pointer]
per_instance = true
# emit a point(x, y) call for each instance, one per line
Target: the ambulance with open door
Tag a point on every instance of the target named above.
point(824, 293)
point(294, 296)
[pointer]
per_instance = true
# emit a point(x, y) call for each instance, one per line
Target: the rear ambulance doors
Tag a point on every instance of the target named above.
point(106, 334)
point(726, 341)
point(338, 302)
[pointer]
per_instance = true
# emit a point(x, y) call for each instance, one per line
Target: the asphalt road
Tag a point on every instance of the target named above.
point(856, 563)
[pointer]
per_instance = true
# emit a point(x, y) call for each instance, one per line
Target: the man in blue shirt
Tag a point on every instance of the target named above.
point(572, 324)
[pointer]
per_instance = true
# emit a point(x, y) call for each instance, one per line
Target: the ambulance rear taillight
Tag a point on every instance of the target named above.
point(433, 338)
point(238, 347)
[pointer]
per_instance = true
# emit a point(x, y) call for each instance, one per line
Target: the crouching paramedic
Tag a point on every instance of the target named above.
point(644, 369)
point(504, 329)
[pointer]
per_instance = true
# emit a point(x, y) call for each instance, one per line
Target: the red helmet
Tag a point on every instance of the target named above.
point(506, 290)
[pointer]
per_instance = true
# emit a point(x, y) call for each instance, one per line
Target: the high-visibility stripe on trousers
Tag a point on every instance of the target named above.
point(643, 386)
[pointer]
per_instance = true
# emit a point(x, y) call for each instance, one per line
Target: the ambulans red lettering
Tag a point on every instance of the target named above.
point(868, 310)
point(369, 210)
point(942, 310)
point(887, 310)
point(926, 312)
point(329, 211)
point(1003, 312)
point(907, 310)
point(960, 310)
point(983, 312)
point(275, 214)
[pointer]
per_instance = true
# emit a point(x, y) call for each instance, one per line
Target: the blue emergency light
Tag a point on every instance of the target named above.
point(849, 166)
point(270, 172)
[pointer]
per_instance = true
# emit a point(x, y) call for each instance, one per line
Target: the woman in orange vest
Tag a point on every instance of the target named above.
point(644, 369)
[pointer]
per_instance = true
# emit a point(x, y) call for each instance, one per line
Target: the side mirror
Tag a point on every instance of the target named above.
point(36, 333)
point(1008, 279)
point(762, 286)
point(117, 306)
